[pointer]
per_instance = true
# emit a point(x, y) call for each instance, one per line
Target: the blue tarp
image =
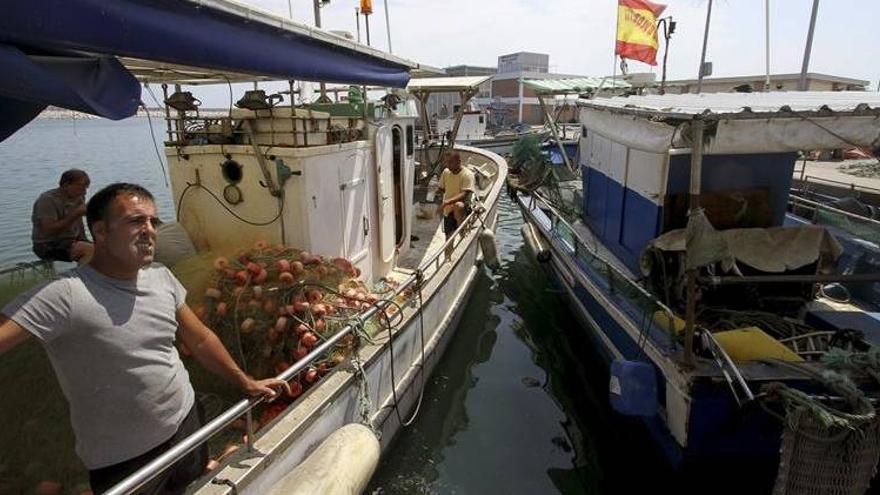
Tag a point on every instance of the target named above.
point(96, 85)
point(170, 31)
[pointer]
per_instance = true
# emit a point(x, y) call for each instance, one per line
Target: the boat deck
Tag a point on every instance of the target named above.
point(429, 233)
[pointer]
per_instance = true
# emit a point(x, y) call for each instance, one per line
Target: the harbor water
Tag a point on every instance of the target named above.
point(518, 404)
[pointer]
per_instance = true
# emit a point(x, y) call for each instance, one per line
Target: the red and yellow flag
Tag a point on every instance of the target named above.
point(637, 30)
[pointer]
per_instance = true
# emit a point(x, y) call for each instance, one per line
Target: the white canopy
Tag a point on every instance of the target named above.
point(739, 122)
point(446, 84)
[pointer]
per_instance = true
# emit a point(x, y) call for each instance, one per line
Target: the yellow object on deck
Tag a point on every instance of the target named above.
point(672, 324)
point(752, 343)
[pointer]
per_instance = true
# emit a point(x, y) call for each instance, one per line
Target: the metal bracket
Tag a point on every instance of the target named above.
point(227, 482)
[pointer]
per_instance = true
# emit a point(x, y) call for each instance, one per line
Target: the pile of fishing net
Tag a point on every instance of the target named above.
point(830, 448)
point(272, 305)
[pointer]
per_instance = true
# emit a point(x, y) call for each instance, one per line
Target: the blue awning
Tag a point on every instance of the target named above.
point(96, 85)
point(216, 35)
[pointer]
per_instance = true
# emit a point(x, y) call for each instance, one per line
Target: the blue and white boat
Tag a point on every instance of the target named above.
point(648, 164)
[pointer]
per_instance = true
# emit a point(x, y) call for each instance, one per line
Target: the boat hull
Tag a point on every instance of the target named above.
point(427, 327)
point(698, 418)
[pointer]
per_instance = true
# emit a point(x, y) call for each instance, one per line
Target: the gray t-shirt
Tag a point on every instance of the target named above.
point(111, 343)
point(53, 205)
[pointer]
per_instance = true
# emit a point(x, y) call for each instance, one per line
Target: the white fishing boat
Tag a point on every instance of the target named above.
point(336, 180)
point(467, 124)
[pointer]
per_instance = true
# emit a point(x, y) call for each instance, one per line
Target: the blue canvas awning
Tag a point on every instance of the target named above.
point(204, 37)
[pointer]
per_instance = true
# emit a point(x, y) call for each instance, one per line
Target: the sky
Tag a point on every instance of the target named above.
point(579, 34)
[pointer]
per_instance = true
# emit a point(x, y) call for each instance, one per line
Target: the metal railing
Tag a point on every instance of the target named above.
point(730, 372)
point(198, 130)
point(807, 179)
point(244, 407)
point(580, 244)
point(815, 207)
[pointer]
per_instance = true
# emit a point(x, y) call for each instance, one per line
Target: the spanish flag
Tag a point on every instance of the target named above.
point(637, 30)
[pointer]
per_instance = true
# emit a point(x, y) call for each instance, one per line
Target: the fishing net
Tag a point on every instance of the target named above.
point(816, 459)
point(556, 183)
point(827, 449)
point(272, 305)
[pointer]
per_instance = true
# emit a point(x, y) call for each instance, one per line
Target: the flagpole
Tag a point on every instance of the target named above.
point(703, 56)
point(614, 55)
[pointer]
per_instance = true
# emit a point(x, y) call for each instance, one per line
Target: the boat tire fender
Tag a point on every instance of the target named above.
point(542, 254)
point(489, 248)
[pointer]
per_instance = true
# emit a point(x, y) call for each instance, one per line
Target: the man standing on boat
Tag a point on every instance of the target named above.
point(457, 184)
point(109, 329)
point(58, 230)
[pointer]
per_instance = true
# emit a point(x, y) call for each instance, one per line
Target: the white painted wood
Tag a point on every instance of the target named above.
point(647, 174)
point(385, 189)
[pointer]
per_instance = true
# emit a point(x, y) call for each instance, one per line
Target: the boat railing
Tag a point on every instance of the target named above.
point(617, 282)
point(296, 131)
point(823, 214)
point(739, 388)
point(806, 180)
point(620, 283)
point(429, 268)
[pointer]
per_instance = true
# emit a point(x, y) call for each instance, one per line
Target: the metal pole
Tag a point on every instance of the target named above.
point(552, 123)
point(317, 4)
point(388, 27)
point(666, 36)
point(807, 279)
point(323, 86)
point(703, 56)
point(290, 8)
point(767, 43)
point(367, 25)
point(519, 117)
point(802, 84)
point(695, 185)
point(357, 20)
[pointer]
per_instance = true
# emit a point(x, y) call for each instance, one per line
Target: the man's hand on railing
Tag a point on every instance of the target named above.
point(269, 387)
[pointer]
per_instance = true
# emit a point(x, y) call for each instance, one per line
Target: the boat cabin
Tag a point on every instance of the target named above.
point(636, 157)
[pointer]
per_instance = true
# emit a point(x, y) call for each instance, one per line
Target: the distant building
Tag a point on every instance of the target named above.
point(504, 97)
point(523, 62)
point(778, 82)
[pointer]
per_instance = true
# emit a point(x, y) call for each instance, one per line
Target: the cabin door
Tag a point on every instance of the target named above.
point(353, 185)
point(386, 192)
point(398, 172)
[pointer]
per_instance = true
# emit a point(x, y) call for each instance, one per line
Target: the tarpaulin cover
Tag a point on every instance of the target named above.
point(771, 250)
point(95, 85)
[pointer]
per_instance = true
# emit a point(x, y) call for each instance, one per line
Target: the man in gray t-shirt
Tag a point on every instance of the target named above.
point(109, 330)
point(57, 218)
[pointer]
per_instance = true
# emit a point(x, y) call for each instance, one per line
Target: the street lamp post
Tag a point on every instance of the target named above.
point(668, 29)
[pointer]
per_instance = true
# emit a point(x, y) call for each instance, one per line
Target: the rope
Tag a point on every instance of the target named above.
point(238, 217)
point(153, 136)
point(419, 282)
point(365, 405)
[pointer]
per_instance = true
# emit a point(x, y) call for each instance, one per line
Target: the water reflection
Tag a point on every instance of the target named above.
point(496, 422)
